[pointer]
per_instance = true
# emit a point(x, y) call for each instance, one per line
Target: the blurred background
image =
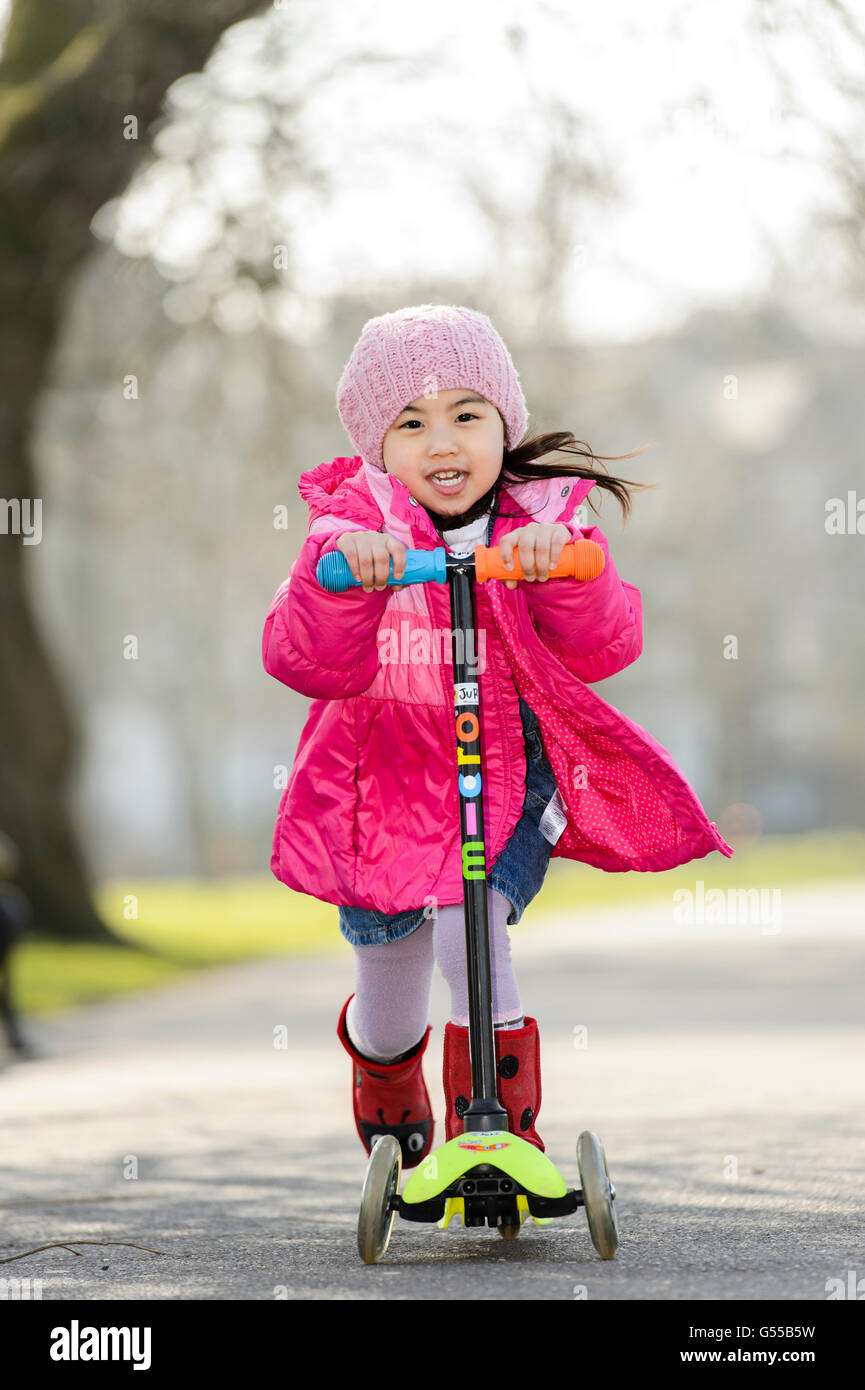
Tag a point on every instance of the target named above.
point(660, 207)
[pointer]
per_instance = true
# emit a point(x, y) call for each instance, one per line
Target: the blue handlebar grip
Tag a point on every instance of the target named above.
point(421, 566)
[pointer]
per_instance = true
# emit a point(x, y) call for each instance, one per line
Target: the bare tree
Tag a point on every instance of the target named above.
point(71, 77)
point(836, 35)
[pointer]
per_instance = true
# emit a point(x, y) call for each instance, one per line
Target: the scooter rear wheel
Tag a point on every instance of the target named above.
point(598, 1197)
point(375, 1221)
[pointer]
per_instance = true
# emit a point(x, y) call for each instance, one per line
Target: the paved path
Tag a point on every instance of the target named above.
point(722, 1068)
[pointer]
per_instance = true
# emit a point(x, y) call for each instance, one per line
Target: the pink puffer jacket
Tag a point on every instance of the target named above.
point(370, 815)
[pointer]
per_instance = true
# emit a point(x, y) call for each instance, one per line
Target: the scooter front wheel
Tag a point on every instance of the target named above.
point(375, 1220)
point(598, 1195)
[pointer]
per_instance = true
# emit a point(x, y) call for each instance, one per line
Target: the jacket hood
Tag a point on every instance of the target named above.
point(336, 487)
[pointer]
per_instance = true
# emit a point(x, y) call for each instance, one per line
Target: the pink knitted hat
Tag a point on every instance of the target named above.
point(399, 357)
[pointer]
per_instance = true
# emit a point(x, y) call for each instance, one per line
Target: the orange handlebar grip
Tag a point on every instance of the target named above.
point(579, 560)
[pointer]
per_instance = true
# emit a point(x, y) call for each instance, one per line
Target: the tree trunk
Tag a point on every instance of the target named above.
point(70, 76)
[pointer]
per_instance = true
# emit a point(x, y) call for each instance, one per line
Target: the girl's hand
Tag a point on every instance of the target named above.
point(369, 555)
point(539, 547)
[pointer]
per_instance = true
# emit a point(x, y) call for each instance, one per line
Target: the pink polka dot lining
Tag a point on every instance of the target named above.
point(619, 809)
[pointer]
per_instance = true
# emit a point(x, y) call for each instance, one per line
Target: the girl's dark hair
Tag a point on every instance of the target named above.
point(519, 465)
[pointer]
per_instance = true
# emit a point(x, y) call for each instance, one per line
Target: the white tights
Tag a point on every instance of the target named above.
point(393, 982)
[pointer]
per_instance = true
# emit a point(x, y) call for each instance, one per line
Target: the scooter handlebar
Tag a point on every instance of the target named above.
point(578, 560)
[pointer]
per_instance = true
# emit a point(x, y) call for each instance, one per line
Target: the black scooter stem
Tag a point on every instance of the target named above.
point(485, 1113)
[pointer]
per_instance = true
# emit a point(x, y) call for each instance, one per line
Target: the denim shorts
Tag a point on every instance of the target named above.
point(518, 873)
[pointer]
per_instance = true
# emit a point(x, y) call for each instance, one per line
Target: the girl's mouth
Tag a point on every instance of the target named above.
point(447, 483)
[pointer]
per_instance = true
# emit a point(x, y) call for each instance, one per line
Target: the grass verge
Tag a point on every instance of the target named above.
point(178, 925)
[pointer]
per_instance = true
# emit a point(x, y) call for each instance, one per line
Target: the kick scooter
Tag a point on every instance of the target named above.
point(488, 1175)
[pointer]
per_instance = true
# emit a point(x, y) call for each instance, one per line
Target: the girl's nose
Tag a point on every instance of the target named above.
point(442, 442)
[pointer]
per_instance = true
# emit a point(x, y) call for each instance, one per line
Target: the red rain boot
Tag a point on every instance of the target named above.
point(518, 1078)
point(385, 1096)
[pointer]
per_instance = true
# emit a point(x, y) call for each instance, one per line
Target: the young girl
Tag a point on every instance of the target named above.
point(369, 819)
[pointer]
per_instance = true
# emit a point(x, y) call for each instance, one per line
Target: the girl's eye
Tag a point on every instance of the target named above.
point(463, 414)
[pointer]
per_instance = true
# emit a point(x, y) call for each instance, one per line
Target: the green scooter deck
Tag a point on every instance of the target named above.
point(504, 1152)
point(522, 1161)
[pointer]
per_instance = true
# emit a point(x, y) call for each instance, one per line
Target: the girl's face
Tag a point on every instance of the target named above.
point(453, 432)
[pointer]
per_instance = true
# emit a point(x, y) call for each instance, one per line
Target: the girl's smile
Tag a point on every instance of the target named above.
point(447, 484)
